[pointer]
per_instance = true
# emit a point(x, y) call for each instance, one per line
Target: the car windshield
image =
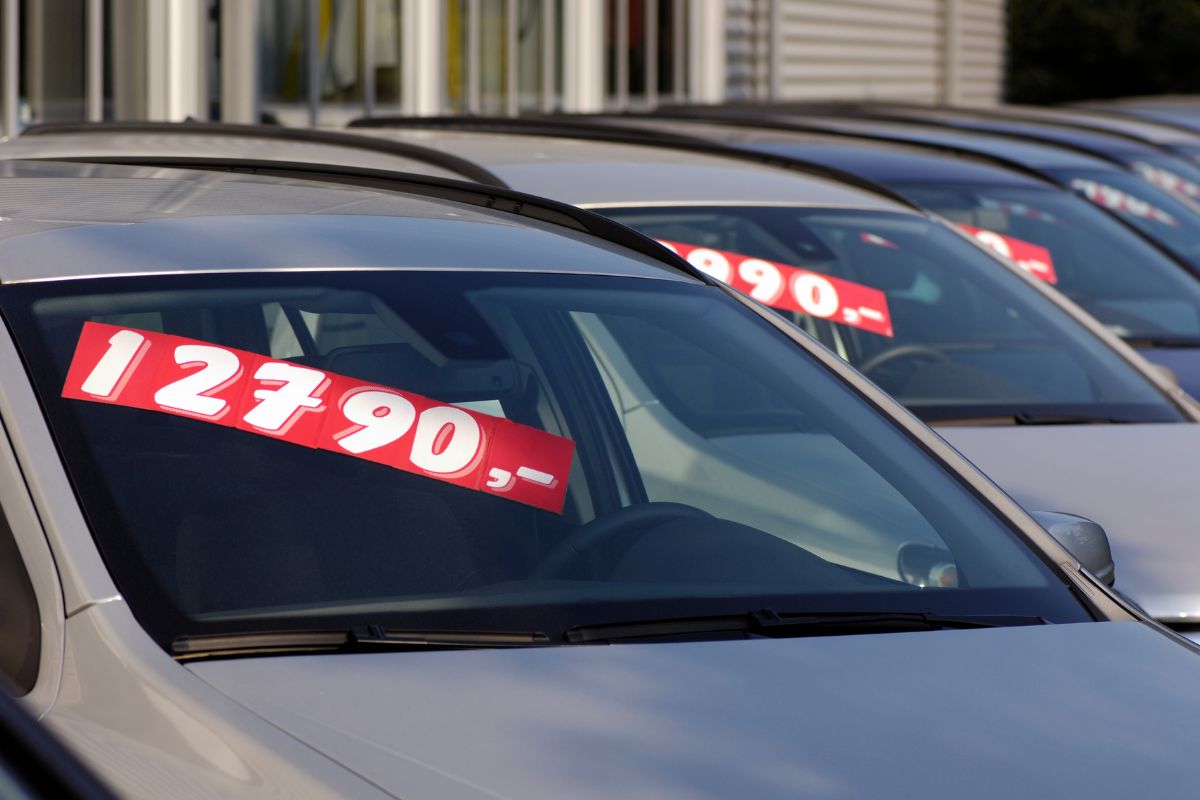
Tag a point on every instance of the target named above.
point(485, 451)
point(1120, 279)
point(1161, 215)
point(964, 339)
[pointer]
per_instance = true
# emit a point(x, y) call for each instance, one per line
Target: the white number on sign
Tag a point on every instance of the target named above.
point(384, 418)
point(711, 263)
point(994, 241)
point(447, 440)
point(221, 367)
point(815, 295)
point(764, 277)
point(113, 369)
point(281, 405)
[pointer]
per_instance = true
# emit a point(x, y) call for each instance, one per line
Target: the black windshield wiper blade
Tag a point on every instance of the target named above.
point(1029, 418)
point(366, 638)
point(767, 623)
point(1163, 342)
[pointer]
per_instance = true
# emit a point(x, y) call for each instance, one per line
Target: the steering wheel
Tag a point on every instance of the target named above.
point(630, 519)
point(903, 351)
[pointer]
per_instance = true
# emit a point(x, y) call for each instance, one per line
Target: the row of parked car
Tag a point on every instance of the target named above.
point(333, 459)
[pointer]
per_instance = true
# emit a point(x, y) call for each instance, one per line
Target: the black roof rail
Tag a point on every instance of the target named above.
point(775, 123)
point(1021, 113)
point(801, 126)
point(497, 198)
point(1115, 113)
point(582, 126)
point(866, 112)
point(429, 155)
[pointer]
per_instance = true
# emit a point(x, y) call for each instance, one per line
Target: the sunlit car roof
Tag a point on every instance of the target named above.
point(1039, 156)
point(590, 172)
point(67, 220)
point(216, 140)
point(1142, 130)
point(881, 161)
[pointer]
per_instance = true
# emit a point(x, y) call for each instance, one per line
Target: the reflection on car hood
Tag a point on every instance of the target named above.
point(1137, 481)
point(1104, 710)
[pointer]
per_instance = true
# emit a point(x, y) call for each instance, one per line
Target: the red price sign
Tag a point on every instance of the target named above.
point(793, 289)
point(1167, 180)
point(1121, 202)
point(1030, 257)
point(319, 409)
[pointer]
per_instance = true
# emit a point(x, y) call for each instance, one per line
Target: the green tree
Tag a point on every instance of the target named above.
point(1063, 50)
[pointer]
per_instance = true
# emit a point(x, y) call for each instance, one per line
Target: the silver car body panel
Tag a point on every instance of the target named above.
point(1160, 133)
point(64, 220)
point(1015, 712)
point(1137, 481)
point(582, 171)
point(1035, 154)
point(153, 731)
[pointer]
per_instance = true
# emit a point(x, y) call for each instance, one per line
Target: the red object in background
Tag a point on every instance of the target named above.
point(1030, 257)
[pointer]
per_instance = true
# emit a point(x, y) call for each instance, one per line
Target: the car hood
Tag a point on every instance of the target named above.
point(1101, 710)
point(1137, 481)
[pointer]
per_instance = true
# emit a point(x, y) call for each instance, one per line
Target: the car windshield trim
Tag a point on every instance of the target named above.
point(1045, 414)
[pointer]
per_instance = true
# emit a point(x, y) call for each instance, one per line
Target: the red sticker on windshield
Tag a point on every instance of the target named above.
point(1121, 202)
point(1030, 257)
point(1168, 180)
point(793, 289)
point(319, 409)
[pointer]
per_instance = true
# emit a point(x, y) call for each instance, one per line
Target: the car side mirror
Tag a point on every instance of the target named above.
point(1084, 539)
point(1166, 373)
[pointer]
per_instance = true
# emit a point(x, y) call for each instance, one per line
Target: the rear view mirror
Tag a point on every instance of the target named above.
point(1084, 539)
point(927, 566)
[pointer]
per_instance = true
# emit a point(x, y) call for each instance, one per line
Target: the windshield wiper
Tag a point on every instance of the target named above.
point(767, 623)
point(1028, 418)
point(367, 638)
point(1162, 342)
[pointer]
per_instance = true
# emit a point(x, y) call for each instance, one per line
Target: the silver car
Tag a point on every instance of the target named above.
point(964, 352)
point(332, 490)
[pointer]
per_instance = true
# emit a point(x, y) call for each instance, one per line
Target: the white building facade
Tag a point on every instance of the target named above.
point(322, 62)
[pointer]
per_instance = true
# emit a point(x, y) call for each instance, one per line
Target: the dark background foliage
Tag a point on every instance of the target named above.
point(1062, 50)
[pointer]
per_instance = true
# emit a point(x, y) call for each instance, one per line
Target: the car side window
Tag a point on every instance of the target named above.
point(20, 625)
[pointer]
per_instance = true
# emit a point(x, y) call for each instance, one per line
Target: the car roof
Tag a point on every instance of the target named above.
point(70, 220)
point(885, 162)
point(588, 171)
point(1098, 143)
point(224, 140)
point(1184, 116)
point(1030, 154)
point(1143, 130)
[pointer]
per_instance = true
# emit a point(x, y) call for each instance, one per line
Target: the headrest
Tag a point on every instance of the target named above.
point(400, 366)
